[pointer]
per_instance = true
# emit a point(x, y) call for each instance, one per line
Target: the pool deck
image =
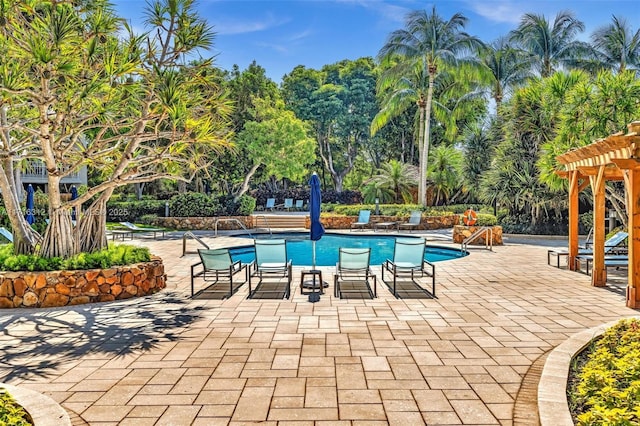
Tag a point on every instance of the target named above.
point(169, 360)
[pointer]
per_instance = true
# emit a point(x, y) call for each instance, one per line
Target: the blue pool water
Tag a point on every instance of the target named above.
point(299, 249)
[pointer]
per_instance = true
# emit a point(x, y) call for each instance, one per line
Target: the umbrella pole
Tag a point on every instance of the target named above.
point(313, 255)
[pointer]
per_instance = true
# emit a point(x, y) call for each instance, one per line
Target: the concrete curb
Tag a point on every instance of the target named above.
point(43, 410)
point(553, 406)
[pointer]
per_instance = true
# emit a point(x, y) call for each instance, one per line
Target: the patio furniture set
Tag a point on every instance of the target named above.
point(365, 215)
point(615, 254)
point(223, 276)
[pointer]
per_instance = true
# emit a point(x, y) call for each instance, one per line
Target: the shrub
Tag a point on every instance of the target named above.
point(131, 211)
point(606, 384)
point(193, 204)
point(114, 255)
point(243, 207)
point(11, 413)
point(148, 219)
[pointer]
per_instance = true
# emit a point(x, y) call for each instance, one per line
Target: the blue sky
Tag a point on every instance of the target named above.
point(281, 34)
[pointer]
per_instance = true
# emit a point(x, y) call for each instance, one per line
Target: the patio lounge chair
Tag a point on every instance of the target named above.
point(413, 222)
point(288, 204)
point(217, 265)
point(6, 234)
point(610, 261)
point(299, 205)
point(363, 219)
point(133, 228)
point(408, 261)
point(270, 204)
point(271, 259)
point(610, 247)
point(353, 273)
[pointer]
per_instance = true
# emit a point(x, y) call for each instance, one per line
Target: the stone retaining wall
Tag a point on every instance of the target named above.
point(428, 222)
point(203, 223)
point(61, 288)
point(460, 232)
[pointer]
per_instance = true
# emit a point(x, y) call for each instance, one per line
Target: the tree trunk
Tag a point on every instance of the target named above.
point(427, 130)
point(421, 175)
point(245, 183)
point(139, 187)
point(59, 239)
point(92, 226)
point(25, 239)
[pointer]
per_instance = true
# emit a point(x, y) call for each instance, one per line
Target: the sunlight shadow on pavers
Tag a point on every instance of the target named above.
point(37, 342)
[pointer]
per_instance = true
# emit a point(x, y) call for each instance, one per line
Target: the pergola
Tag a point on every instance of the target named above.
point(616, 157)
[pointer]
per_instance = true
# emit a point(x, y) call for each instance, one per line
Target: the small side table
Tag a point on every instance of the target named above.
point(315, 284)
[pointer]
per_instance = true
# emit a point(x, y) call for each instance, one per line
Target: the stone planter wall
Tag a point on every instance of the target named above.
point(428, 222)
point(204, 223)
point(61, 288)
point(460, 232)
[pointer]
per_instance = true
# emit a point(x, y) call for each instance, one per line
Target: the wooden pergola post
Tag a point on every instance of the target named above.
point(599, 274)
point(574, 191)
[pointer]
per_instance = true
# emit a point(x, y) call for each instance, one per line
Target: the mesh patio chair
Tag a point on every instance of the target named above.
point(270, 204)
point(217, 266)
point(408, 261)
point(363, 220)
point(413, 222)
point(271, 260)
point(353, 273)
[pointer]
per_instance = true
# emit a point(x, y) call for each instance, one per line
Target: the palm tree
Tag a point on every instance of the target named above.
point(414, 57)
point(395, 181)
point(505, 67)
point(445, 172)
point(617, 46)
point(550, 45)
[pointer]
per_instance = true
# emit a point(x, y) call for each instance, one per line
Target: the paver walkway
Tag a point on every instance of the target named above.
point(170, 360)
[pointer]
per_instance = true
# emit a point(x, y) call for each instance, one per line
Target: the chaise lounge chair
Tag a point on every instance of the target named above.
point(353, 273)
point(271, 259)
point(288, 204)
point(133, 228)
point(270, 204)
point(408, 261)
point(6, 234)
point(609, 248)
point(217, 266)
point(299, 205)
point(363, 220)
point(413, 222)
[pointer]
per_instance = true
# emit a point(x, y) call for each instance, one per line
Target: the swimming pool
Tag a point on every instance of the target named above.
point(299, 249)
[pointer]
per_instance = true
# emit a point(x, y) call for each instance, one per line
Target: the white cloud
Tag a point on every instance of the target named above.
point(499, 11)
point(227, 26)
point(391, 12)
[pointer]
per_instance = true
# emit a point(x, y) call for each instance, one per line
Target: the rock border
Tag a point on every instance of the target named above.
point(45, 289)
point(43, 410)
point(553, 406)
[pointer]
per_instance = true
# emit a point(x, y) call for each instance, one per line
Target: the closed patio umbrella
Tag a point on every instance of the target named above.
point(316, 230)
point(29, 217)
point(74, 195)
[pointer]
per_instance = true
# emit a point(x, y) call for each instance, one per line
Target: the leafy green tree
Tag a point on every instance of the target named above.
point(77, 92)
point(445, 172)
point(414, 56)
point(478, 150)
point(394, 182)
point(551, 45)
point(278, 143)
point(339, 102)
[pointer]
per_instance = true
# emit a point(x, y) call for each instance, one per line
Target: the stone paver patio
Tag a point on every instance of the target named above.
point(170, 360)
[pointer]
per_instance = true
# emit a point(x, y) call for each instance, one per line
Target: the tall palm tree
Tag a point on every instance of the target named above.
point(414, 56)
point(505, 67)
point(617, 46)
point(551, 45)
